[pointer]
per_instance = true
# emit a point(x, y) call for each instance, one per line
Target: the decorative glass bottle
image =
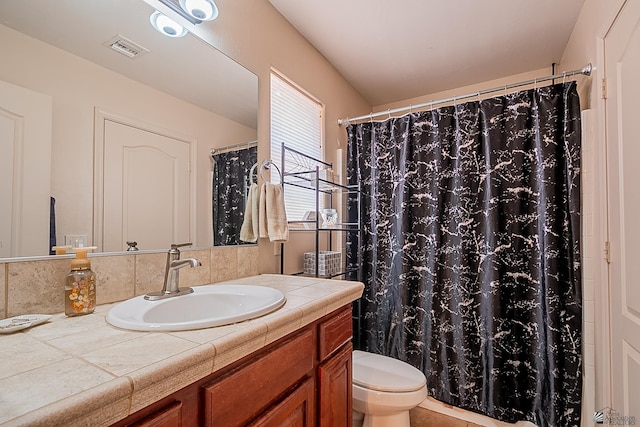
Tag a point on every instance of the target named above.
point(80, 285)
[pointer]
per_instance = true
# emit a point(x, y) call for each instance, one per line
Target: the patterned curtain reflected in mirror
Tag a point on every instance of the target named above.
point(230, 185)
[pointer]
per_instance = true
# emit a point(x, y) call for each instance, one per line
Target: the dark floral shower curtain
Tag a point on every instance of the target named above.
point(471, 248)
point(230, 186)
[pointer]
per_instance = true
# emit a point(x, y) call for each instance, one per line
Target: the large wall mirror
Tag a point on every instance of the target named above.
point(107, 127)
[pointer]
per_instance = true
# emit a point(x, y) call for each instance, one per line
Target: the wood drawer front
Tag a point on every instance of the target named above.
point(244, 393)
point(334, 332)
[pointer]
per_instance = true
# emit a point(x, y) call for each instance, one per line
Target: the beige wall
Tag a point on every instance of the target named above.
point(77, 86)
point(253, 33)
point(466, 90)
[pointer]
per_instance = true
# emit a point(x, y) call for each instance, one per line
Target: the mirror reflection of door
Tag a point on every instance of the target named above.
point(147, 194)
point(230, 186)
point(25, 164)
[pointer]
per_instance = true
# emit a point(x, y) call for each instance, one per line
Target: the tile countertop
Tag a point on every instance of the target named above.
point(82, 371)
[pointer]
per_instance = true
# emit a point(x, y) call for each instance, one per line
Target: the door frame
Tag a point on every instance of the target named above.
point(101, 115)
point(604, 364)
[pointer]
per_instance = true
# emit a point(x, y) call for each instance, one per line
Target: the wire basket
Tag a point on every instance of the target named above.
point(328, 263)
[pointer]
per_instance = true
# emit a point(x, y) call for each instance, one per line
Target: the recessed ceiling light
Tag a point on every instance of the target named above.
point(204, 10)
point(166, 25)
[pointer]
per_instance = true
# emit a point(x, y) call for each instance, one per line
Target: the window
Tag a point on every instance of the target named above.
point(296, 121)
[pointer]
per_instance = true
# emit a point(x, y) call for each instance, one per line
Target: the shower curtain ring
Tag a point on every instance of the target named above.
point(564, 76)
point(535, 83)
point(389, 113)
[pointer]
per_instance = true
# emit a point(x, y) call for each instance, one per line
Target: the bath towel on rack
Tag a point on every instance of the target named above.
point(272, 214)
point(249, 230)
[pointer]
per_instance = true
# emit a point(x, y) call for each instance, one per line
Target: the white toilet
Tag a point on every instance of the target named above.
point(384, 390)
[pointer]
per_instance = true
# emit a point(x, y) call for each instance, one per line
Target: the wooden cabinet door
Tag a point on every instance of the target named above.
point(296, 410)
point(334, 390)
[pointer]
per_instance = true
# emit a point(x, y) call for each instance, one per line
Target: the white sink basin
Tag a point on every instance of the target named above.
point(207, 306)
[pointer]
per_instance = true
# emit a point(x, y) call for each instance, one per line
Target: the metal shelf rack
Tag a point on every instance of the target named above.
point(303, 171)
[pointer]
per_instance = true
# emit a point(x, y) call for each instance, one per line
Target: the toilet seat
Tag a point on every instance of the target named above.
point(382, 373)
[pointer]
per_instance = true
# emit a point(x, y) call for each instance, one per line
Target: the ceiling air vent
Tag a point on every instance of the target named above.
point(126, 47)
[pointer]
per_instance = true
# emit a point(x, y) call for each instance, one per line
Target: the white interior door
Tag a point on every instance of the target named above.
point(622, 69)
point(25, 171)
point(147, 188)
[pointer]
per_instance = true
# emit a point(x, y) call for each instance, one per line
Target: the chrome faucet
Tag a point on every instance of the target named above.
point(171, 286)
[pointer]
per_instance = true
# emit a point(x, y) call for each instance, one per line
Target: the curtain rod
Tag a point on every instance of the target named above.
point(586, 70)
point(232, 147)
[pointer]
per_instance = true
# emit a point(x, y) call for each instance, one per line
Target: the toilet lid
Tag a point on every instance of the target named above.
point(382, 373)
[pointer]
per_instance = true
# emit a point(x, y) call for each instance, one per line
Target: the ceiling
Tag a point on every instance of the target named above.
point(390, 51)
point(83, 28)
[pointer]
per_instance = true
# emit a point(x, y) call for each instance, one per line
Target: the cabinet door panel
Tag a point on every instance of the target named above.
point(334, 390)
point(244, 393)
point(296, 410)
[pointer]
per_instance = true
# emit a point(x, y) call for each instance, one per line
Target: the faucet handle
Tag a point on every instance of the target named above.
point(174, 249)
point(179, 245)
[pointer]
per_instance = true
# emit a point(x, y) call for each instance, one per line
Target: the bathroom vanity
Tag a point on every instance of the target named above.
point(290, 367)
point(275, 386)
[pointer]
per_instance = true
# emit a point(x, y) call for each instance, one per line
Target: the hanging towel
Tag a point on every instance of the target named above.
point(272, 216)
point(262, 212)
point(249, 229)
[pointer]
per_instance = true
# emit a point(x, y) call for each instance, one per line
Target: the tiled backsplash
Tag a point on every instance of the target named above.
point(37, 286)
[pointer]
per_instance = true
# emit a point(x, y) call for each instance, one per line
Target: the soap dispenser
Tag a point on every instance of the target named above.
point(80, 285)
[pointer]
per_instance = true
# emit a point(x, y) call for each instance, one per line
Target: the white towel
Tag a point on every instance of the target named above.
point(249, 229)
point(272, 216)
point(262, 212)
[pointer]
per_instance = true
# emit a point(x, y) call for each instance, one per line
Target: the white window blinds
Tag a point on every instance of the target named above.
point(296, 121)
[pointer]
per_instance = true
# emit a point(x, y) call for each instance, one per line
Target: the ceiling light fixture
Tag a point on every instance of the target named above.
point(203, 10)
point(166, 25)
